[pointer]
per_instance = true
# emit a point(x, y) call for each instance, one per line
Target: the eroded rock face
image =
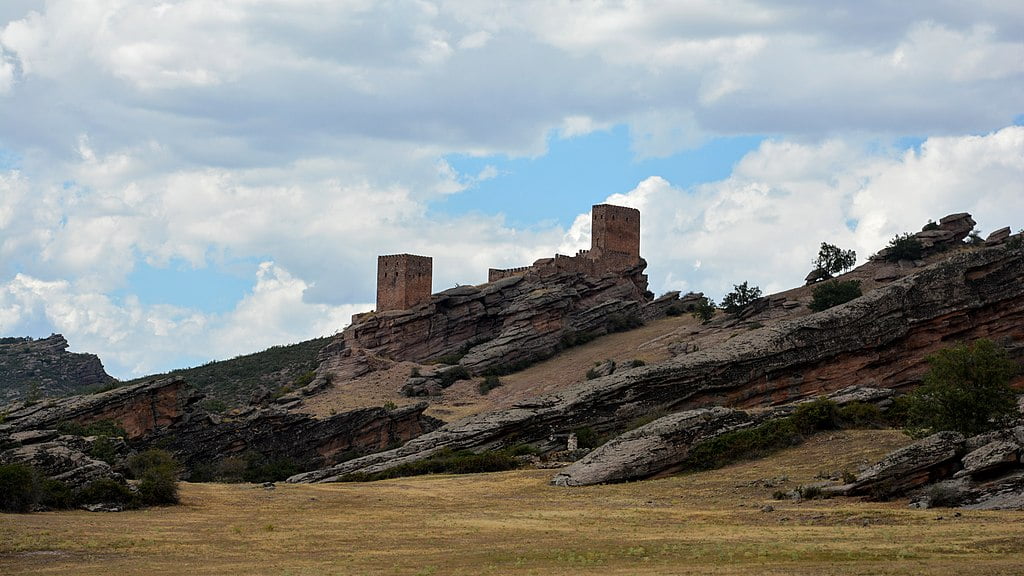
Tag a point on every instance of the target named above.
point(139, 409)
point(880, 340)
point(279, 434)
point(502, 324)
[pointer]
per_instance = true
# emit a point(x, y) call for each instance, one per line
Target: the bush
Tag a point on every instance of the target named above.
point(966, 389)
point(860, 415)
point(444, 461)
point(19, 488)
point(453, 375)
point(745, 443)
point(741, 297)
point(489, 383)
point(820, 414)
point(157, 473)
point(109, 428)
point(832, 260)
point(704, 310)
point(904, 247)
point(260, 468)
point(105, 491)
point(622, 322)
point(587, 437)
point(834, 293)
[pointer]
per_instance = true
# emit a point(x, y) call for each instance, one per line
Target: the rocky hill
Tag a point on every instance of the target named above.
point(32, 369)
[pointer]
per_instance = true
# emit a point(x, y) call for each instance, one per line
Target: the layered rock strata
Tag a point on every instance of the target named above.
point(879, 340)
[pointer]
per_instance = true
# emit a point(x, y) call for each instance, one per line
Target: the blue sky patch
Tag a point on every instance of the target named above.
point(581, 171)
point(211, 290)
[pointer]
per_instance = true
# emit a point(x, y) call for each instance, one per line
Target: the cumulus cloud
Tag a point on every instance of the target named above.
point(765, 222)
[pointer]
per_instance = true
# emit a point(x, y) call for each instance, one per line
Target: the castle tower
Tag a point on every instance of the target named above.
point(615, 233)
point(403, 281)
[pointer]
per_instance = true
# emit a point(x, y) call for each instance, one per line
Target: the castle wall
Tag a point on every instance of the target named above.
point(403, 281)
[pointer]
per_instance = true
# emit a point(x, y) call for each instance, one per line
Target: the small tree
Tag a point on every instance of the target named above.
point(832, 259)
point(834, 293)
point(157, 473)
point(967, 390)
point(704, 310)
point(741, 297)
point(904, 247)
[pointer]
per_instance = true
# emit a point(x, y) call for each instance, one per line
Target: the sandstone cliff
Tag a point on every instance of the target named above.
point(878, 340)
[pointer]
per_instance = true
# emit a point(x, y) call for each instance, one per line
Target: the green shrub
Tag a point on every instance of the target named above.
point(834, 293)
point(704, 310)
point(743, 444)
point(453, 375)
point(108, 428)
point(587, 437)
point(904, 247)
point(104, 449)
point(56, 494)
point(489, 383)
point(19, 488)
point(741, 297)
point(860, 415)
point(966, 389)
point(675, 310)
point(820, 414)
point(444, 461)
point(811, 492)
point(974, 238)
point(622, 322)
point(931, 225)
point(105, 491)
point(304, 379)
point(260, 468)
point(636, 363)
point(157, 473)
point(451, 359)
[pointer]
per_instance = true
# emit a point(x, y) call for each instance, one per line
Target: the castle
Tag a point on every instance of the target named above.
point(404, 280)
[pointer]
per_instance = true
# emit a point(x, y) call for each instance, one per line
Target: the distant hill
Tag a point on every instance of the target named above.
point(232, 383)
point(32, 369)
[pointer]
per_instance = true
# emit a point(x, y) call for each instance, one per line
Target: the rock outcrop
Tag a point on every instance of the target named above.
point(272, 434)
point(651, 449)
point(139, 408)
point(984, 472)
point(57, 457)
point(496, 326)
point(879, 340)
point(33, 369)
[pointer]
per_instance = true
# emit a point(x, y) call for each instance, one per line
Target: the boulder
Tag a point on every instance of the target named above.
point(998, 236)
point(924, 461)
point(990, 458)
point(651, 449)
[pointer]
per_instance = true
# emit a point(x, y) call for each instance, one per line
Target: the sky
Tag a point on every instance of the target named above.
point(185, 181)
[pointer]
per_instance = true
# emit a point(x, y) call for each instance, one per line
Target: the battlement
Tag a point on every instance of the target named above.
point(403, 281)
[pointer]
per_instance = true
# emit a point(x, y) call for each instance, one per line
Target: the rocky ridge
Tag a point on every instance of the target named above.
point(879, 340)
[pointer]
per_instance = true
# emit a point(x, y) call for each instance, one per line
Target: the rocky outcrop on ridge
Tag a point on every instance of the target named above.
point(878, 340)
point(496, 326)
point(33, 369)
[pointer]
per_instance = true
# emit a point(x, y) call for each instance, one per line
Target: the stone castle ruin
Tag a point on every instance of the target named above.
point(404, 280)
point(614, 247)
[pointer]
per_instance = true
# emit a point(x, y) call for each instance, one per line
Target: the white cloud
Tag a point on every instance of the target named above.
point(765, 222)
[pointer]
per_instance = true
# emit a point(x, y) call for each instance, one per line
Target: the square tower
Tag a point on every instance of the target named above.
point(615, 229)
point(403, 281)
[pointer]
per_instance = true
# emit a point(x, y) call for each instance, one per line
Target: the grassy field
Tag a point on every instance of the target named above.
point(514, 523)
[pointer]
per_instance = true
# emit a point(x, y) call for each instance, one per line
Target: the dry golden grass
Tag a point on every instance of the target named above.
point(514, 523)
